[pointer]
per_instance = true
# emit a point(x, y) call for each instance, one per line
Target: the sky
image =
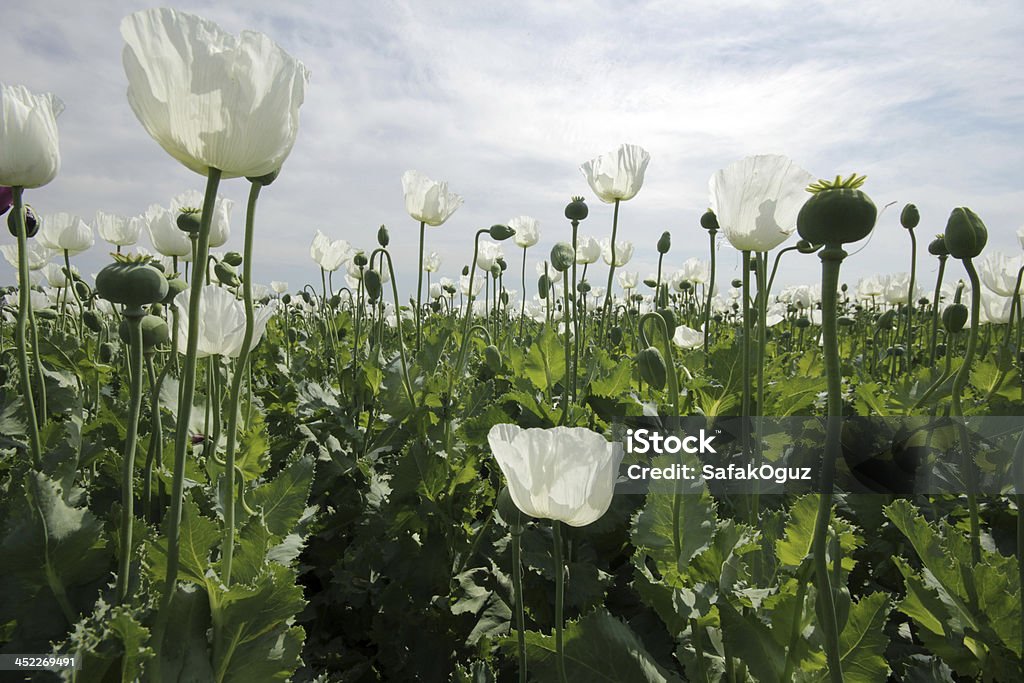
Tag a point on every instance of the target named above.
point(505, 101)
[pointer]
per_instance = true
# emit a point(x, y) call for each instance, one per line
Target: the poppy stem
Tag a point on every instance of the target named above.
point(20, 329)
point(419, 291)
point(710, 298)
point(556, 528)
point(134, 319)
point(957, 411)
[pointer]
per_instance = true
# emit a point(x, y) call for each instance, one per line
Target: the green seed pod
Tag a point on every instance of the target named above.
point(154, 331)
point(665, 242)
point(577, 209)
point(106, 352)
point(383, 237)
point(669, 316)
point(174, 288)
point(966, 234)
point(435, 306)
point(651, 283)
point(651, 365)
point(492, 357)
point(886, 320)
point(91, 319)
point(910, 217)
point(232, 258)
point(226, 274)
point(616, 335)
point(156, 309)
point(360, 260)
point(837, 212)
point(509, 513)
point(372, 282)
point(189, 220)
point(583, 287)
point(709, 221)
point(937, 247)
point(502, 263)
point(500, 233)
point(286, 298)
point(955, 317)
point(802, 322)
point(543, 285)
point(132, 283)
point(562, 256)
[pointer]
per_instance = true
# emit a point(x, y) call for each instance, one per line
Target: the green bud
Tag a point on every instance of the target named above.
point(500, 233)
point(937, 247)
point(232, 258)
point(665, 242)
point(383, 237)
point(543, 285)
point(616, 335)
point(372, 282)
point(737, 283)
point(492, 357)
point(286, 298)
point(360, 260)
point(650, 282)
point(562, 256)
point(954, 317)
point(583, 287)
point(174, 288)
point(910, 217)
point(226, 274)
point(651, 365)
point(189, 220)
point(92, 321)
point(669, 316)
point(709, 221)
point(886, 320)
point(966, 234)
point(106, 352)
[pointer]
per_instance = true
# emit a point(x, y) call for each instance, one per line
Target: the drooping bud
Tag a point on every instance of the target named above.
point(232, 258)
point(651, 365)
point(500, 233)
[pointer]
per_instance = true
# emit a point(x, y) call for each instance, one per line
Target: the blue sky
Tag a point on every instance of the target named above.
point(506, 100)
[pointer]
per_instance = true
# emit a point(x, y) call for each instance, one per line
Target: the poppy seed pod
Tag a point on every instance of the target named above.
point(954, 317)
point(576, 210)
point(966, 234)
point(154, 331)
point(583, 287)
point(189, 221)
point(937, 247)
point(709, 221)
point(360, 260)
point(131, 283)
point(665, 242)
point(562, 256)
point(838, 212)
point(910, 217)
point(175, 287)
point(651, 365)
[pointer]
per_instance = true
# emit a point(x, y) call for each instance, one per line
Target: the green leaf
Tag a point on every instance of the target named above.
point(862, 643)
point(598, 648)
point(544, 364)
point(749, 639)
point(197, 537)
point(184, 656)
point(284, 499)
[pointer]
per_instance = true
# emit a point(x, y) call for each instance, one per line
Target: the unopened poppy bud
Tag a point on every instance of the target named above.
point(583, 287)
point(492, 356)
point(665, 242)
point(31, 223)
point(500, 233)
point(737, 283)
point(669, 316)
point(562, 256)
point(91, 319)
point(106, 352)
point(465, 270)
point(651, 282)
point(966, 234)
point(910, 217)
point(286, 299)
point(937, 247)
point(543, 284)
point(954, 317)
point(372, 282)
point(175, 287)
point(232, 258)
point(226, 274)
point(802, 322)
point(616, 335)
point(886, 320)
point(82, 290)
point(651, 365)
point(383, 237)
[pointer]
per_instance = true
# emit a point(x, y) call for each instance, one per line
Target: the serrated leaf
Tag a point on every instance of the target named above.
point(284, 499)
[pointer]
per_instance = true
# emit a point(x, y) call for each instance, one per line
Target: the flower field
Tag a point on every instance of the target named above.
point(543, 469)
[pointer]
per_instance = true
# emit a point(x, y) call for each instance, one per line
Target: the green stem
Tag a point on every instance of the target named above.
point(908, 355)
point(419, 290)
point(20, 328)
point(710, 298)
point(957, 411)
point(556, 528)
point(831, 259)
point(134, 318)
point(606, 309)
point(517, 587)
point(522, 307)
point(398, 327)
point(187, 393)
point(228, 547)
point(935, 309)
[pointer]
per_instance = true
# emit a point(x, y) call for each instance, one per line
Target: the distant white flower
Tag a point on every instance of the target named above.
point(695, 271)
point(756, 200)
point(588, 250)
point(65, 232)
point(435, 291)
point(487, 255)
point(329, 255)
point(870, 287)
point(118, 230)
point(897, 287)
point(628, 280)
point(998, 272)
point(478, 284)
point(38, 254)
point(54, 274)
point(428, 201)
point(623, 252)
point(527, 231)
point(220, 223)
point(617, 175)
point(432, 263)
point(165, 235)
point(278, 286)
point(687, 337)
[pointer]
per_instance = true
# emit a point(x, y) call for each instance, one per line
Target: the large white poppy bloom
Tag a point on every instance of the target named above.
point(588, 250)
point(998, 272)
point(527, 231)
point(38, 254)
point(211, 99)
point(757, 200)
point(428, 201)
point(328, 254)
point(221, 322)
point(623, 252)
point(687, 337)
point(618, 174)
point(487, 255)
point(65, 232)
point(562, 473)
point(29, 152)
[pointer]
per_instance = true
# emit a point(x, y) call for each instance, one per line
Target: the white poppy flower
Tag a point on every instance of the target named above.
point(38, 254)
point(278, 286)
point(623, 252)
point(687, 337)
point(617, 175)
point(65, 232)
point(432, 263)
point(527, 231)
point(29, 150)
point(118, 230)
point(221, 322)
point(428, 201)
point(998, 272)
point(220, 223)
point(487, 255)
point(756, 200)
point(565, 474)
point(588, 250)
point(328, 254)
point(211, 99)
point(165, 235)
